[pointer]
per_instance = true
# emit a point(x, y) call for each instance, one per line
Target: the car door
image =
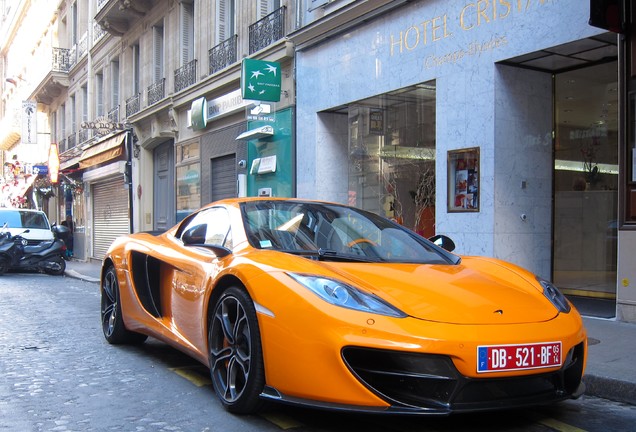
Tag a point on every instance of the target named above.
point(198, 264)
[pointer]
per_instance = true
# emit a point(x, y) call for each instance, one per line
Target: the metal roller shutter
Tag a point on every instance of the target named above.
point(110, 214)
point(223, 176)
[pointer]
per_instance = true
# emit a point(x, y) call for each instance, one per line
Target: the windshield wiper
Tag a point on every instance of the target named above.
point(327, 254)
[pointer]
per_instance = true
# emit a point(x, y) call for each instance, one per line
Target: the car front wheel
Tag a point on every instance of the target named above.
point(235, 352)
point(113, 326)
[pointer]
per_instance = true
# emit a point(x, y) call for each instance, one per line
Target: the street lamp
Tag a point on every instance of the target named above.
point(54, 163)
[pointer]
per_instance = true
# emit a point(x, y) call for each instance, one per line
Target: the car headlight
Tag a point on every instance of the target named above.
point(346, 296)
point(555, 296)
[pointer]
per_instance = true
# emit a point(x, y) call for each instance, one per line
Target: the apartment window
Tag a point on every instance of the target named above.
point(225, 16)
point(73, 114)
point(84, 91)
point(74, 24)
point(99, 94)
point(266, 7)
point(136, 69)
point(187, 32)
point(157, 53)
point(62, 120)
point(114, 84)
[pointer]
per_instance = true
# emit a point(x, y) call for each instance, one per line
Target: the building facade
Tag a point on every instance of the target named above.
point(497, 123)
point(117, 81)
point(489, 121)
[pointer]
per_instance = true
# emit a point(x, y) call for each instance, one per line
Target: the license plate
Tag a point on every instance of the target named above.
point(499, 358)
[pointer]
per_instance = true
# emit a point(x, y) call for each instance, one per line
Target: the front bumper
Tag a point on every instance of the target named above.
point(432, 384)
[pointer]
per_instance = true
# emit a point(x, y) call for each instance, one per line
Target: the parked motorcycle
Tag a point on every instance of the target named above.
point(48, 256)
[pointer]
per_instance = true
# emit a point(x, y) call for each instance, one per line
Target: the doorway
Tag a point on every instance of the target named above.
point(586, 181)
point(164, 193)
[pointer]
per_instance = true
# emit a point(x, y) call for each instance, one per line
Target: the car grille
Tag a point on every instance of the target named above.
point(31, 242)
point(432, 383)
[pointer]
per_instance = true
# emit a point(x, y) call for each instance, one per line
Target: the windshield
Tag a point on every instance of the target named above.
point(334, 231)
point(24, 219)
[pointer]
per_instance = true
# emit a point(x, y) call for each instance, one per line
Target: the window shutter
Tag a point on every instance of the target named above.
point(84, 103)
point(99, 90)
point(263, 8)
point(115, 84)
point(187, 32)
point(222, 21)
point(158, 52)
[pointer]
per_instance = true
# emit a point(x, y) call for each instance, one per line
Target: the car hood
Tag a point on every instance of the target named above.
point(477, 291)
point(33, 234)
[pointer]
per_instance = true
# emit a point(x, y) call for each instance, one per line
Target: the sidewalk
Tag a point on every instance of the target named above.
point(610, 372)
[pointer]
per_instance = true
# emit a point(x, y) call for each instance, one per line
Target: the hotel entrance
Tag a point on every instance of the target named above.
point(586, 181)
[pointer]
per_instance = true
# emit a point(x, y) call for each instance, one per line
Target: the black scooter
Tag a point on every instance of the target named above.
point(48, 256)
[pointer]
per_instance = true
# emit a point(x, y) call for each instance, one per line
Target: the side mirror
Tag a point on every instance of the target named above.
point(195, 236)
point(443, 241)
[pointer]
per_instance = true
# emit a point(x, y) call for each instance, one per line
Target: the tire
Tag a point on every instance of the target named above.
point(113, 326)
point(58, 267)
point(235, 352)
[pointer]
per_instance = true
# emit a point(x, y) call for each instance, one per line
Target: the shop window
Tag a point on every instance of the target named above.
point(188, 179)
point(392, 156)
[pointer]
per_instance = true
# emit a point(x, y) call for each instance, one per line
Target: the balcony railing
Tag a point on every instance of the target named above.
point(78, 50)
point(156, 91)
point(84, 135)
point(267, 30)
point(222, 55)
point(113, 115)
point(62, 145)
point(71, 141)
point(98, 32)
point(133, 105)
point(185, 76)
point(100, 4)
point(60, 60)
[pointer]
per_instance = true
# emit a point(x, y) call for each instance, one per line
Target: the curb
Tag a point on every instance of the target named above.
point(75, 275)
point(610, 388)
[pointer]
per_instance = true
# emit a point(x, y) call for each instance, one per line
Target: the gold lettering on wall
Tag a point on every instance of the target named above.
point(471, 16)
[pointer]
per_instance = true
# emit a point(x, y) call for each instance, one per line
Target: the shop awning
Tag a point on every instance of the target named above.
point(9, 137)
point(104, 151)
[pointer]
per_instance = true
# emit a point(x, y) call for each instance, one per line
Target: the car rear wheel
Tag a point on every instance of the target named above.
point(235, 352)
point(113, 326)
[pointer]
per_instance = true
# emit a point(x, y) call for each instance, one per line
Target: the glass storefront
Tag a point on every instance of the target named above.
point(392, 156)
point(586, 181)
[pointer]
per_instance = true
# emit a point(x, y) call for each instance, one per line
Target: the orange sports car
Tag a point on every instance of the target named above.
point(325, 305)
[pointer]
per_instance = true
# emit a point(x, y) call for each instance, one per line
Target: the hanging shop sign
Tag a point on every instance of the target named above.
point(29, 124)
point(260, 80)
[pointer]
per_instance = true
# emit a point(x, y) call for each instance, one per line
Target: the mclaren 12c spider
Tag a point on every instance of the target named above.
point(329, 306)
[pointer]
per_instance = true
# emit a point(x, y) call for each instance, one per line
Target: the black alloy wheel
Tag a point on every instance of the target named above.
point(235, 352)
point(113, 326)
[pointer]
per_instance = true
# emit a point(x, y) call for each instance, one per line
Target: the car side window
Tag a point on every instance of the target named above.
point(209, 226)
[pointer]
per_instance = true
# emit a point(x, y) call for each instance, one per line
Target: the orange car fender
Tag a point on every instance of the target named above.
point(302, 343)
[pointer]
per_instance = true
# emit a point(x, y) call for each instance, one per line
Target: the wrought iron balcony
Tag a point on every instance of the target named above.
point(185, 76)
point(133, 105)
point(98, 32)
point(71, 141)
point(156, 91)
point(222, 55)
point(60, 60)
point(113, 115)
point(62, 145)
point(84, 135)
point(267, 30)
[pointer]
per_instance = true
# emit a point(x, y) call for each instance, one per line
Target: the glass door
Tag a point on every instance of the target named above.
point(586, 181)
